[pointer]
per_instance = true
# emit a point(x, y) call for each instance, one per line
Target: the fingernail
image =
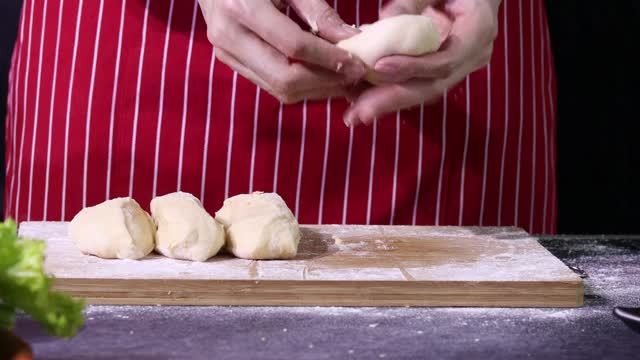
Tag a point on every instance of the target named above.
point(350, 29)
point(349, 119)
point(385, 67)
point(313, 25)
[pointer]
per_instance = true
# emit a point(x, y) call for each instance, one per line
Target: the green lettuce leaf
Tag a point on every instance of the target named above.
point(24, 286)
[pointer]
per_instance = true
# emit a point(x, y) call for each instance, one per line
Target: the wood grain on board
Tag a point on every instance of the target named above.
point(337, 265)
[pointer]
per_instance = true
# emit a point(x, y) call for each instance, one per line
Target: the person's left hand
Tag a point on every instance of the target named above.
point(408, 81)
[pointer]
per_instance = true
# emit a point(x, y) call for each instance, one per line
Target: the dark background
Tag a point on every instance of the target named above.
point(595, 43)
point(9, 14)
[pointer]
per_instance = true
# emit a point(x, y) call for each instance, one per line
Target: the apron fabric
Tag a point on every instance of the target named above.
point(125, 98)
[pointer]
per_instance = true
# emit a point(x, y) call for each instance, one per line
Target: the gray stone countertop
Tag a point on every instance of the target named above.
point(611, 266)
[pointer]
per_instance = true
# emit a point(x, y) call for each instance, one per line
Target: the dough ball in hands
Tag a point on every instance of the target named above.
point(185, 230)
point(412, 35)
point(259, 226)
point(114, 229)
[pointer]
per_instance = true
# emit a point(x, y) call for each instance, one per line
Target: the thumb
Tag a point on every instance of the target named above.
point(323, 19)
point(442, 22)
point(400, 7)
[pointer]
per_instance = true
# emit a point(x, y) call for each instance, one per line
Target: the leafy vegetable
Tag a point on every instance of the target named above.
point(24, 286)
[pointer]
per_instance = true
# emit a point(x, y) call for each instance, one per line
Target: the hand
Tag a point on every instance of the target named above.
point(409, 81)
point(257, 40)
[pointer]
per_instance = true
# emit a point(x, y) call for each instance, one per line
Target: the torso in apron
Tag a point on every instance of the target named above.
point(125, 98)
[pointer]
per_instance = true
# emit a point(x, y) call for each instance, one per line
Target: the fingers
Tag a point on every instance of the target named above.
point(400, 7)
point(467, 48)
point(309, 94)
point(323, 19)
point(380, 100)
point(285, 77)
point(438, 65)
point(320, 94)
point(354, 92)
point(251, 54)
point(258, 61)
point(441, 21)
point(238, 66)
point(270, 70)
point(276, 29)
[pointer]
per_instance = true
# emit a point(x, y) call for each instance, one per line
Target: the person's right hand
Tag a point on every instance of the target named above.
point(257, 40)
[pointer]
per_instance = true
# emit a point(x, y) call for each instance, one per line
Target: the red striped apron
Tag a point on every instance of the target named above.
point(125, 98)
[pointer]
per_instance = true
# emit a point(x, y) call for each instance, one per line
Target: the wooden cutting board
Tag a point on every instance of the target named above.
point(336, 266)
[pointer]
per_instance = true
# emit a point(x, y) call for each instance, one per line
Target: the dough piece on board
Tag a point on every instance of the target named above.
point(259, 226)
point(412, 35)
point(185, 230)
point(114, 229)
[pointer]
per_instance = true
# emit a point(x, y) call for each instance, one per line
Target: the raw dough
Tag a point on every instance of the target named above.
point(412, 35)
point(259, 226)
point(185, 230)
point(117, 228)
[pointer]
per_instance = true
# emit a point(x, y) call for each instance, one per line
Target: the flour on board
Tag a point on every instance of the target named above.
point(359, 253)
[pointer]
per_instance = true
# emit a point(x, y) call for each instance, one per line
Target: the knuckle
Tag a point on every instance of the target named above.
point(214, 34)
point(284, 87)
point(211, 36)
point(221, 55)
point(296, 48)
point(229, 6)
point(445, 70)
point(216, 29)
point(238, 8)
point(281, 87)
point(288, 99)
